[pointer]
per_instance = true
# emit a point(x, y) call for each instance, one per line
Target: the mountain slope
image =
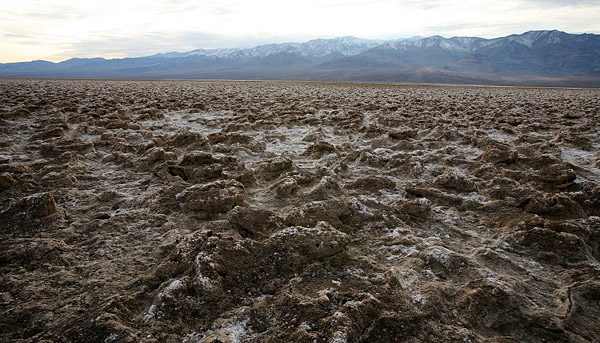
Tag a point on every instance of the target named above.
point(543, 53)
point(534, 57)
point(535, 53)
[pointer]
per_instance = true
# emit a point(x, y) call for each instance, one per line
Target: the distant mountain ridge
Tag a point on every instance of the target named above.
point(346, 46)
point(532, 58)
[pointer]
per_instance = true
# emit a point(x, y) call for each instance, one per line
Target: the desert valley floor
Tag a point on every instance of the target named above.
point(214, 211)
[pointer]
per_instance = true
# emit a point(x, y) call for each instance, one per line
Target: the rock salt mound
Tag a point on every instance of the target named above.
point(214, 197)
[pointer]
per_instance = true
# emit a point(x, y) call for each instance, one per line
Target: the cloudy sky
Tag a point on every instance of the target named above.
point(56, 30)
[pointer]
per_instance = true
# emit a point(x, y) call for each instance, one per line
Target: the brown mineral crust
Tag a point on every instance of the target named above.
point(498, 156)
point(217, 196)
point(327, 187)
point(255, 220)
point(15, 176)
point(33, 253)
point(420, 207)
point(7, 180)
point(315, 243)
point(373, 184)
point(230, 211)
point(421, 189)
point(30, 213)
point(225, 265)
point(189, 140)
point(556, 174)
point(588, 196)
point(583, 309)
point(286, 188)
point(570, 139)
point(557, 206)
point(155, 155)
point(555, 247)
point(273, 168)
point(228, 140)
point(332, 211)
point(320, 148)
point(459, 182)
point(201, 167)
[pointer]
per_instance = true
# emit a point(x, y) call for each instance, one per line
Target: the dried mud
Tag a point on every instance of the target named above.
point(184, 211)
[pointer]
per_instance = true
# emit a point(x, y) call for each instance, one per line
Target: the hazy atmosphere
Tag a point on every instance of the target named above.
point(58, 30)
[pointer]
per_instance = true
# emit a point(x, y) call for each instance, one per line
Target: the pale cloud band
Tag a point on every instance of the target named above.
point(60, 29)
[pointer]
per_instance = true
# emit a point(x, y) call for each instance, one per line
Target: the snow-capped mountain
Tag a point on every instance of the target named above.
point(459, 44)
point(472, 44)
point(520, 58)
point(199, 52)
point(347, 46)
point(531, 37)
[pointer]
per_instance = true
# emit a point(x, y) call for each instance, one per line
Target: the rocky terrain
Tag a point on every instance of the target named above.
point(209, 211)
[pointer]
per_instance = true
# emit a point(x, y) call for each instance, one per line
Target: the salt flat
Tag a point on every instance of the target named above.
point(232, 211)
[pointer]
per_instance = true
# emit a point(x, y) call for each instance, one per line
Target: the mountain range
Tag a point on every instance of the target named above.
point(549, 58)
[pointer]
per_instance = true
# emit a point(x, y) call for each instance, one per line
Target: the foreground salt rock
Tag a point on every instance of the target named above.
point(214, 197)
point(225, 267)
point(332, 211)
point(14, 175)
point(30, 212)
point(254, 220)
point(318, 242)
point(213, 211)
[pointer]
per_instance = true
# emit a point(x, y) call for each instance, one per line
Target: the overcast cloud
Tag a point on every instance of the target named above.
point(56, 30)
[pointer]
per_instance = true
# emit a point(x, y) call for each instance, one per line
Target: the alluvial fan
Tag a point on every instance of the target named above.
point(209, 211)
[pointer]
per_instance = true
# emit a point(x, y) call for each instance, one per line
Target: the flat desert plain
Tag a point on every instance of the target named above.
point(218, 211)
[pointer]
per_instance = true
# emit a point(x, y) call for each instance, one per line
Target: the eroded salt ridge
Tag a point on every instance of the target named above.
point(188, 211)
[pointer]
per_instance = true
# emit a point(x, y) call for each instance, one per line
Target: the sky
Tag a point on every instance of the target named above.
point(56, 30)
